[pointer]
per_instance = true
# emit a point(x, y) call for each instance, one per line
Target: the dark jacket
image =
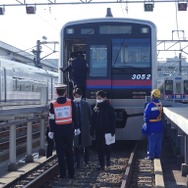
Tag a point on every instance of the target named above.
point(151, 112)
point(60, 130)
point(77, 69)
point(103, 119)
point(85, 125)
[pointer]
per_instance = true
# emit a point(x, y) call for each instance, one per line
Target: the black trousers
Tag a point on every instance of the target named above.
point(102, 149)
point(64, 149)
point(77, 151)
point(50, 145)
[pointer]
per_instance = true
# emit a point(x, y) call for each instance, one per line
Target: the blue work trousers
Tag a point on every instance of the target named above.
point(154, 145)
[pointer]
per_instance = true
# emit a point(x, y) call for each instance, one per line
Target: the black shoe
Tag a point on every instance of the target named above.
point(108, 163)
point(101, 168)
point(71, 177)
point(61, 176)
point(148, 158)
point(87, 165)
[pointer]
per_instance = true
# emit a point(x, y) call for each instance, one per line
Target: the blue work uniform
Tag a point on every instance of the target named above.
point(152, 117)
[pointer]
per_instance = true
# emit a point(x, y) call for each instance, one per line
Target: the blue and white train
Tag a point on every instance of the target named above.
point(121, 54)
point(174, 88)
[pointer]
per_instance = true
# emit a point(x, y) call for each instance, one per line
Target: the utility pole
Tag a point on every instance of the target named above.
point(180, 63)
point(37, 52)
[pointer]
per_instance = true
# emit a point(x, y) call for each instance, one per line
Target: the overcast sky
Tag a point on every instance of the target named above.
point(22, 30)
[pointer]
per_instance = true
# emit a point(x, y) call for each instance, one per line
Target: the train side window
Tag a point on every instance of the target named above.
point(186, 86)
point(98, 60)
point(168, 87)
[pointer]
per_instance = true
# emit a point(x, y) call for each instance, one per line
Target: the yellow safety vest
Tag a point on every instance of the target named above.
point(159, 106)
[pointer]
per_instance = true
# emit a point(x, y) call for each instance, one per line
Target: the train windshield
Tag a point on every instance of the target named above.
point(131, 52)
point(168, 87)
point(186, 86)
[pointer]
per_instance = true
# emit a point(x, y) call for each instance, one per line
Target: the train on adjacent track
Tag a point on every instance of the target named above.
point(174, 87)
point(121, 54)
point(21, 84)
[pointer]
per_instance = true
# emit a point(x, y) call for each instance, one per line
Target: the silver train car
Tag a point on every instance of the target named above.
point(174, 88)
point(21, 84)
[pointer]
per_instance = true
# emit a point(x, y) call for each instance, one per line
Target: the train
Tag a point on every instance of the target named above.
point(121, 56)
point(174, 87)
point(21, 84)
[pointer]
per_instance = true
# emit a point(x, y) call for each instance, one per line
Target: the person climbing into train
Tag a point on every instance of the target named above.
point(153, 120)
point(77, 68)
point(63, 126)
point(103, 122)
point(82, 142)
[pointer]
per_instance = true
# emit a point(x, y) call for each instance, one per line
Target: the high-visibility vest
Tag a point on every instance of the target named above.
point(159, 106)
point(63, 112)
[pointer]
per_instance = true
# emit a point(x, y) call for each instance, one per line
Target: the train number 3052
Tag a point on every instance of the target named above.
point(141, 77)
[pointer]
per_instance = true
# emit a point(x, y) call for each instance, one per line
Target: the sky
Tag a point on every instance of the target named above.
point(22, 30)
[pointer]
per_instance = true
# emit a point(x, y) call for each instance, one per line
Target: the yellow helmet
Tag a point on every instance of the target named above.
point(156, 93)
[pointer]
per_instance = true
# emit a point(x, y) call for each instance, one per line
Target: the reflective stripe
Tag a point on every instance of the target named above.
point(63, 121)
point(154, 108)
point(154, 120)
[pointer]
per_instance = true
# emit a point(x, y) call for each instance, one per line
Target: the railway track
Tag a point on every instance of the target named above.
point(128, 169)
point(142, 172)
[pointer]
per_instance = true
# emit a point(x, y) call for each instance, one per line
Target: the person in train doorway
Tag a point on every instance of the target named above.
point(77, 68)
point(50, 143)
point(153, 121)
point(103, 122)
point(63, 124)
point(82, 142)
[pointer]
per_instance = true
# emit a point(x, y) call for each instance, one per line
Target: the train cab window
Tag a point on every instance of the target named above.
point(87, 31)
point(98, 60)
point(115, 29)
point(186, 86)
point(168, 87)
point(128, 53)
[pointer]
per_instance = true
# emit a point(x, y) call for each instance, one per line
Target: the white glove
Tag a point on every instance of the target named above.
point(77, 132)
point(51, 135)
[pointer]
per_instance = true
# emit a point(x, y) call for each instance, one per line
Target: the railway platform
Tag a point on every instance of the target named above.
point(172, 174)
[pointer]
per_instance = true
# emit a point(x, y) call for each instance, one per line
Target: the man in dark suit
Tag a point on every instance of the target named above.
point(83, 140)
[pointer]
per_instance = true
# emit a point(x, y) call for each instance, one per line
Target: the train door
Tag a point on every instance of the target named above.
point(99, 74)
point(3, 85)
point(168, 90)
point(72, 45)
point(178, 92)
point(185, 87)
